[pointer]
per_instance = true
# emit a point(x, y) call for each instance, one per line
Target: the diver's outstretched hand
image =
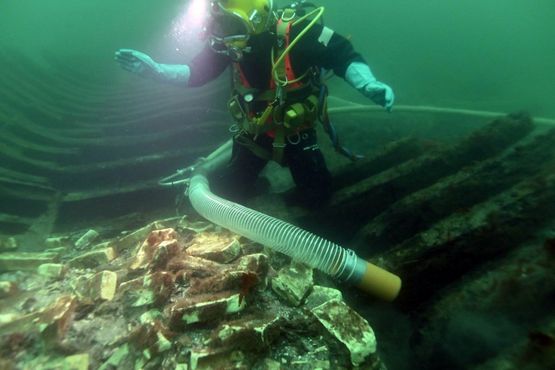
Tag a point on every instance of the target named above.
point(136, 62)
point(360, 76)
point(143, 65)
point(380, 94)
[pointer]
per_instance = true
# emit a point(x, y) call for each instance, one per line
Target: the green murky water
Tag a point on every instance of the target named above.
point(83, 144)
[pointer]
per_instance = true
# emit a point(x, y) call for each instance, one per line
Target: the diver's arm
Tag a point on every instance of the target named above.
point(142, 64)
point(359, 76)
point(206, 66)
point(333, 51)
point(203, 68)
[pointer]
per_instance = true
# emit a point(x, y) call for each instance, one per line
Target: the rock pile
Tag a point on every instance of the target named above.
point(175, 294)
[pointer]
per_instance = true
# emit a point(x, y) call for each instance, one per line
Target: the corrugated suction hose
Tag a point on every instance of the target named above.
point(299, 244)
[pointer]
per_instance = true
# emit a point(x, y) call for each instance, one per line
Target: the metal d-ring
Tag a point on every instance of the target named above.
point(234, 128)
point(297, 140)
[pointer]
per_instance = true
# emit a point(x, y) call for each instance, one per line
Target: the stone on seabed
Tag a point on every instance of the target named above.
point(293, 283)
point(214, 307)
point(58, 242)
point(94, 258)
point(51, 270)
point(24, 261)
point(157, 240)
point(103, 285)
point(349, 328)
point(320, 295)
point(74, 362)
point(160, 306)
point(222, 251)
point(117, 357)
point(87, 238)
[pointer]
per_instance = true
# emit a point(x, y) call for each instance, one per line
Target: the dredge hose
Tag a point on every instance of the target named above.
point(301, 245)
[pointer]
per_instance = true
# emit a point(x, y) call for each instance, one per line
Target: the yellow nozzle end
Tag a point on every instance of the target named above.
point(380, 283)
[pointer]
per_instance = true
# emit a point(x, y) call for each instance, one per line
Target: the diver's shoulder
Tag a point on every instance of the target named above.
point(311, 33)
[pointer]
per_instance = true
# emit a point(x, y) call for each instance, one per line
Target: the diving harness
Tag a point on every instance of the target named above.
point(292, 103)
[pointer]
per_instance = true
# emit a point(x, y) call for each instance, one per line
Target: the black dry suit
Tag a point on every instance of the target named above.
point(296, 147)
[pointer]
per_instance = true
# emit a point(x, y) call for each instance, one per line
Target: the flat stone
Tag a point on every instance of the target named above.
point(132, 284)
point(348, 327)
point(54, 318)
point(166, 252)
point(161, 344)
point(77, 362)
point(143, 297)
point(59, 242)
point(116, 359)
point(137, 237)
point(207, 308)
point(243, 275)
point(8, 244)
point(248, 333)
point(147, 290)
point(58, 251)
point(52, 322)
point(194, 226)
point(52, 270)
point(197, 268)
point(159, 244)
point(13, 323)
point(109, 329)
point(24, 261)
point(293, 283)
point(80, 286)
point(74, 362)
point(103, 245)
point(256, 263)
point(103, 285)
point(150, 317)
point(321, 295)
point(215, 248)
point(220, 358)
point(86, 239)
point(58, 314)
point(93, 258)
point(7, 289)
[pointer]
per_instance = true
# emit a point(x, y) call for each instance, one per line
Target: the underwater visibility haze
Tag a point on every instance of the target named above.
point(134, 234)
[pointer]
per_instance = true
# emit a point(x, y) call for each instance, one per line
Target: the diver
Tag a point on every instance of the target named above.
point(278, 59)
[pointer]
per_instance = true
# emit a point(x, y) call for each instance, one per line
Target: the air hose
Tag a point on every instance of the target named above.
point(318, 12)
point(299, 244)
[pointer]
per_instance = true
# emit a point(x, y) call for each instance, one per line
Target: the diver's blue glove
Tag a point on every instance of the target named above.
point(361, 78)
point(143, 65)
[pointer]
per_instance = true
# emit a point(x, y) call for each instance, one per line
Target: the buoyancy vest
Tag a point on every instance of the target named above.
point(288, 106)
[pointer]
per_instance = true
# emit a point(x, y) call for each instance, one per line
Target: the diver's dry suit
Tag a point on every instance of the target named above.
point(320, 48)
